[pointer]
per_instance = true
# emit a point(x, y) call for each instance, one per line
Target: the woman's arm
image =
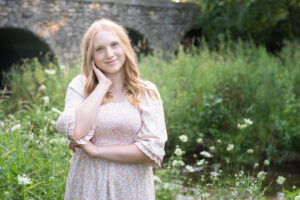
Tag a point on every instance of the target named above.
point(86, 113)
point(129, 154)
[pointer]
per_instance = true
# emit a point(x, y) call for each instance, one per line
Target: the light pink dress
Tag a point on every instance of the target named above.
point(116, 124)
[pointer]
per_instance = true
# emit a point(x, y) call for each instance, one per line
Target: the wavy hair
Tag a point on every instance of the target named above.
point(133, 85)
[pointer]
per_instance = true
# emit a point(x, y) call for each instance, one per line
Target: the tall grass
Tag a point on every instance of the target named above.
point(206, 94)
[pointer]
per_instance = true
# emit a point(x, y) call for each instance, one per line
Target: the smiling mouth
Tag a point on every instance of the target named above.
point(111, 62)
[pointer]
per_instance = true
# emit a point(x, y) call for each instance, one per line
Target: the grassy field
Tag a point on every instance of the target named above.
point(230, 113)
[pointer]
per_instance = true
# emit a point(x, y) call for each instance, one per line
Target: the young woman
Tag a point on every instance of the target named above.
point(114, 120)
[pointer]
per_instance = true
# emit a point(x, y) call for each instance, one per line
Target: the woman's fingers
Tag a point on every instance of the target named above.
point(72, 146)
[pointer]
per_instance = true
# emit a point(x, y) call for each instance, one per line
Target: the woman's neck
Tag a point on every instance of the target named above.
point(117, 80)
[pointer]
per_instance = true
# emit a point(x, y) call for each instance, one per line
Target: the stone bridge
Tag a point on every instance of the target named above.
point(33, 27)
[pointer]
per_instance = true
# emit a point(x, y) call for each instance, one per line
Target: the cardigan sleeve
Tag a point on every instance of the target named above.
point(152, 137)
point(66, 121)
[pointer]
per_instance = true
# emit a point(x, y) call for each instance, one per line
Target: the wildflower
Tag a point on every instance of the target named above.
point(212, 148)
point(178, 151)
point(62, 67)
point(261, 175)
point(166, 186)
point(266, 162)
point(56, 110)
point(248, 121)
point(42, 87)
point(230, 147)
point(280, 180)
point(156, 179)
point(180, 163)
point(24, 180)
point(242, 126)
point(200, 162)
point(219, 141)
point(189, 168)
point(214, 174)
point(50, 71)
point(250, 151)
point(15, 127)
point(255, 165)
point(205, 154)
point(297, 197)
point(46, 99)
point(205, 195)
point(6, 193)
point(51, 179)
point(199, 140)
point(183, 138)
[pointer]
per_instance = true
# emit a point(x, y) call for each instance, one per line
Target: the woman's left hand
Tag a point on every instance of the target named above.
point(89, 149)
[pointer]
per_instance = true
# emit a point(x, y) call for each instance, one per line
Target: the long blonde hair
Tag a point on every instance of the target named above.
point(134, 86)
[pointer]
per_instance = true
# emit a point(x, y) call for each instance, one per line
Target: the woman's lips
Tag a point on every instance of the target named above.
point(111, 62)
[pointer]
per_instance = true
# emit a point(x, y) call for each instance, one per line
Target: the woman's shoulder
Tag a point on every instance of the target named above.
point(150, 85)
point(78, 83)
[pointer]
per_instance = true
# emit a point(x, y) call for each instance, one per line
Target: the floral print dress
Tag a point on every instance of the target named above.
point(116, 124)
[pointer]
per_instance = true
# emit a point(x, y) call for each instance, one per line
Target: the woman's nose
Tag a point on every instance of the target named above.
point(109, 52)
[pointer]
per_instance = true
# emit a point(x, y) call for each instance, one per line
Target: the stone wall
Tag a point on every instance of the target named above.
point(61, 24)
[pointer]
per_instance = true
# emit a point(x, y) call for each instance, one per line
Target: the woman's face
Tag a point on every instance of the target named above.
point(107, 52)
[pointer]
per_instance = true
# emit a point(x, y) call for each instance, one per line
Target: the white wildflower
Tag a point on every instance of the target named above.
point(178, 151)
point(219, 141)
point(183, 138)
point(205, 195)
point(280, 180)
point(6, 193)
point(230, 147)
point(42, 87)
point(175, 163)
point(297, 197)
point(56, 110)
point(62, 67)
point(212, 148)
point(180, 163)
point(199, 140)
point(50, 71)
point(214, 174)
point(255, 165)
point(24, 180)
point(261, 174)
point(15, 127)
point(190, 168)
point(156, 179)
point(166, 186)
point(242, 126)
point(200, 162)
point(248, 121)
point(266, 162)
point(250, 151)
point(51, 179)
point(205, 154)
point(46, 99)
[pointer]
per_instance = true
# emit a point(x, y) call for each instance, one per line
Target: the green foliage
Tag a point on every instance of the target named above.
point(207, 95)
point(267, 22)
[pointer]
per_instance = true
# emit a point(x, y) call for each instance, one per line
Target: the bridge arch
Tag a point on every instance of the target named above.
point(139, 42)
point(192, 38)
point(18, 44)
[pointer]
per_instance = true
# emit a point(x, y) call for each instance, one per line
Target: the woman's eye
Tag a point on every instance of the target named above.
point(99, 49)
point(114, 44)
